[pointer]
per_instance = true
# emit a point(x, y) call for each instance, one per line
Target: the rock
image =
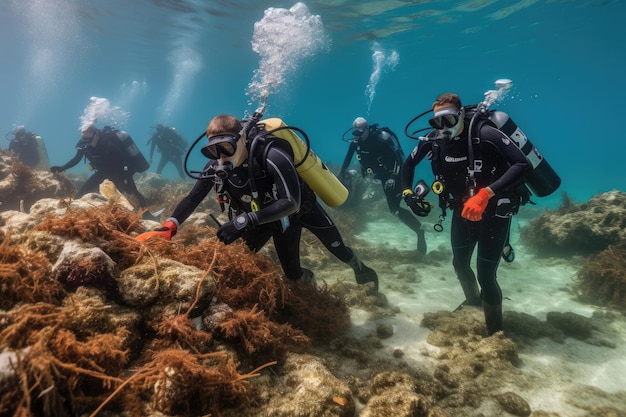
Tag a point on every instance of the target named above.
point(514, 404)
point(561, 232)
point(311, 390)
point(571, 324)
point(384, 331)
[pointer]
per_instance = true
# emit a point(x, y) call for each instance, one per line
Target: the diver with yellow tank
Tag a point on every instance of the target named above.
point(268, 180)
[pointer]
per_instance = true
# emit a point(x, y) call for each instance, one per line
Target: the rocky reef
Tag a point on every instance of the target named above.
point(579, 228)
point(594, 230)
point(93, 322)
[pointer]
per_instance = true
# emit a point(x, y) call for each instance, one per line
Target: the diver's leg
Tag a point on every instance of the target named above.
point(126, 184)
point(287, 244)
point(463, 235)
point(494, 229)
point(393, 202)
point(162, 163)
point(179, 167)
point(317, 222)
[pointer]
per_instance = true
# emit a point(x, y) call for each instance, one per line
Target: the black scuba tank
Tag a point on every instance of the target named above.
point(542, 180)
point(138, 162)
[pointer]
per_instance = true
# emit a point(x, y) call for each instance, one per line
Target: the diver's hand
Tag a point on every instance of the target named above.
point(232, 230)
point(475, 206)
point(166, 231)
point(418, 205)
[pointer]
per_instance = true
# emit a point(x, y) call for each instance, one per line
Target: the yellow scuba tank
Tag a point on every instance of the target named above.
point(312, 170)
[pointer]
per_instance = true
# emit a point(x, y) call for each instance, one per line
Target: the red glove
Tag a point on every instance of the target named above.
point(166, 231)
point(475, 206)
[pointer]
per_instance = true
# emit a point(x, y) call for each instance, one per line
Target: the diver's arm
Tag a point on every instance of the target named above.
point(408, 167)
point(518, 164)
point(187, 205)
point(281, 169)
point(75, 160)
point(392, 141)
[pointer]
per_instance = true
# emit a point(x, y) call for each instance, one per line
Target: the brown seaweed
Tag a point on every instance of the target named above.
point(25, 276)
point(81, 352)
point(54, 366)
point(602, 278)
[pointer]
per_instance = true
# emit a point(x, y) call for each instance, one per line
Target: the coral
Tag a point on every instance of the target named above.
point(602, 278)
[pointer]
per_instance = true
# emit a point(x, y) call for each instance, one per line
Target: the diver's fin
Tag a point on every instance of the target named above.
point(363, 273)
point(158, 212)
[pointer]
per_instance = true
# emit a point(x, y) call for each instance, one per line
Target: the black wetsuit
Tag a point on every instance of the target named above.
point(26, 149)
point(109, 160)
point(503, 168)
point(380, 154)
point(171, 146)
point(286, 205)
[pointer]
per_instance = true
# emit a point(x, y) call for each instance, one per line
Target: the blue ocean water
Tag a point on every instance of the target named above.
point(182, 62)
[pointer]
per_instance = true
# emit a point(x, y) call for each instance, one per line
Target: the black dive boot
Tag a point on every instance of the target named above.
point(493, 317)
point(362, 273)
point(307, 278)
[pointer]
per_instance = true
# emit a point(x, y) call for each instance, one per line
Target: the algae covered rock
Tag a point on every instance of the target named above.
point(165, 286)
point(579, 229)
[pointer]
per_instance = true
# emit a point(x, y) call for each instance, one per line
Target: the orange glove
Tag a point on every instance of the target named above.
point(166, 231)
point(475, 206)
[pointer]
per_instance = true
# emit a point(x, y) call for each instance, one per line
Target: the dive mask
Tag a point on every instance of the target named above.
point(447, 120)
point(220, 145)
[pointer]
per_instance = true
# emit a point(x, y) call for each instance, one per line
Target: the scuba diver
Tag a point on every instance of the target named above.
point(253, 173)
point(112, 155)
point(481, 181)
point(26, 145)
point(379, 153)
point(171, 145)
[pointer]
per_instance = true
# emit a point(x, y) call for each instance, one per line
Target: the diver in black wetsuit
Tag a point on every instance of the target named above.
point(108, 158)
point(379, 153)
point(171, 145)
point(285, 203)
point(24, 144)
point(483, 197)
